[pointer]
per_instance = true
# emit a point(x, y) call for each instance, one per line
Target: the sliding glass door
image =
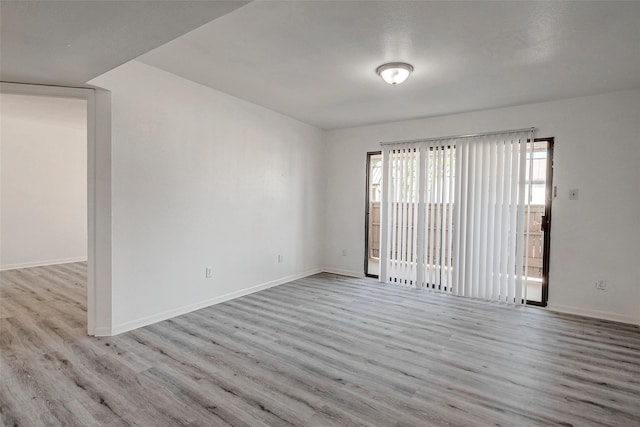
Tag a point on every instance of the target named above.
point(468, 216)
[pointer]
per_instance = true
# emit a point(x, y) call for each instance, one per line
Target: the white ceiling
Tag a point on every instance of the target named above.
point(315, 60)
point(70, 42)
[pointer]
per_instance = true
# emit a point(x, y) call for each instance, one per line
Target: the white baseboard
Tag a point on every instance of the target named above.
point(41, 263)
point(148, 320)
point(598, 314)
point(102, 332)
point(341, 272)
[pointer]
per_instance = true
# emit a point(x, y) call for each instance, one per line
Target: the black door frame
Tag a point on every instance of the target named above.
point(366, 214)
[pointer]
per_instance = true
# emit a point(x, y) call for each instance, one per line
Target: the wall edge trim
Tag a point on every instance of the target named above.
point(342, 272)
point(596, 314)
point(30, 264)
point(168, 314)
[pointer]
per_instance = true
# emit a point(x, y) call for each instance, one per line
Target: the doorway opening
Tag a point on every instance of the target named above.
point(44, 181)
point(74, 239)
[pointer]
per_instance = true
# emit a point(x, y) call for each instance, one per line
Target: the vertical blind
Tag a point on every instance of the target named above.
point(454, 213)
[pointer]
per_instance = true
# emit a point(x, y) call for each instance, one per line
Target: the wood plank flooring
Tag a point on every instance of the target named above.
point(324, 350)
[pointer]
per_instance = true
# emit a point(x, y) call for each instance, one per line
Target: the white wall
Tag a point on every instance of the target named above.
point(200, 178)
point(43, 179)
point(597, 150)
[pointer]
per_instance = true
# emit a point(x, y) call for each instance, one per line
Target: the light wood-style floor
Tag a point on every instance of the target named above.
point(325, 350)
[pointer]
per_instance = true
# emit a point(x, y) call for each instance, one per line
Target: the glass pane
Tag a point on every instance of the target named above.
point(375, 194)
point(536, 185)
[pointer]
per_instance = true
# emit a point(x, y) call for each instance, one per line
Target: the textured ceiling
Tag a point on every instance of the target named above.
point(315, 61)
point(70, 42)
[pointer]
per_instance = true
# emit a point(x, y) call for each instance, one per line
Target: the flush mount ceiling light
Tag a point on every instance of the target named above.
point(394, 73)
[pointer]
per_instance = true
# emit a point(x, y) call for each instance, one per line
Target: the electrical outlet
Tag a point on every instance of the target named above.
point(280, 258)
point(601, 285)
point(208, 272)
point(573, 194)
point(344, 252)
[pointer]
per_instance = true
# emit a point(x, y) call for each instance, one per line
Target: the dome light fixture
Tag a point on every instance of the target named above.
point(394, 73)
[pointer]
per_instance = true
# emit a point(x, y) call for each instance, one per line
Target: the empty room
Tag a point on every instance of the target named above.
point(318, 213)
